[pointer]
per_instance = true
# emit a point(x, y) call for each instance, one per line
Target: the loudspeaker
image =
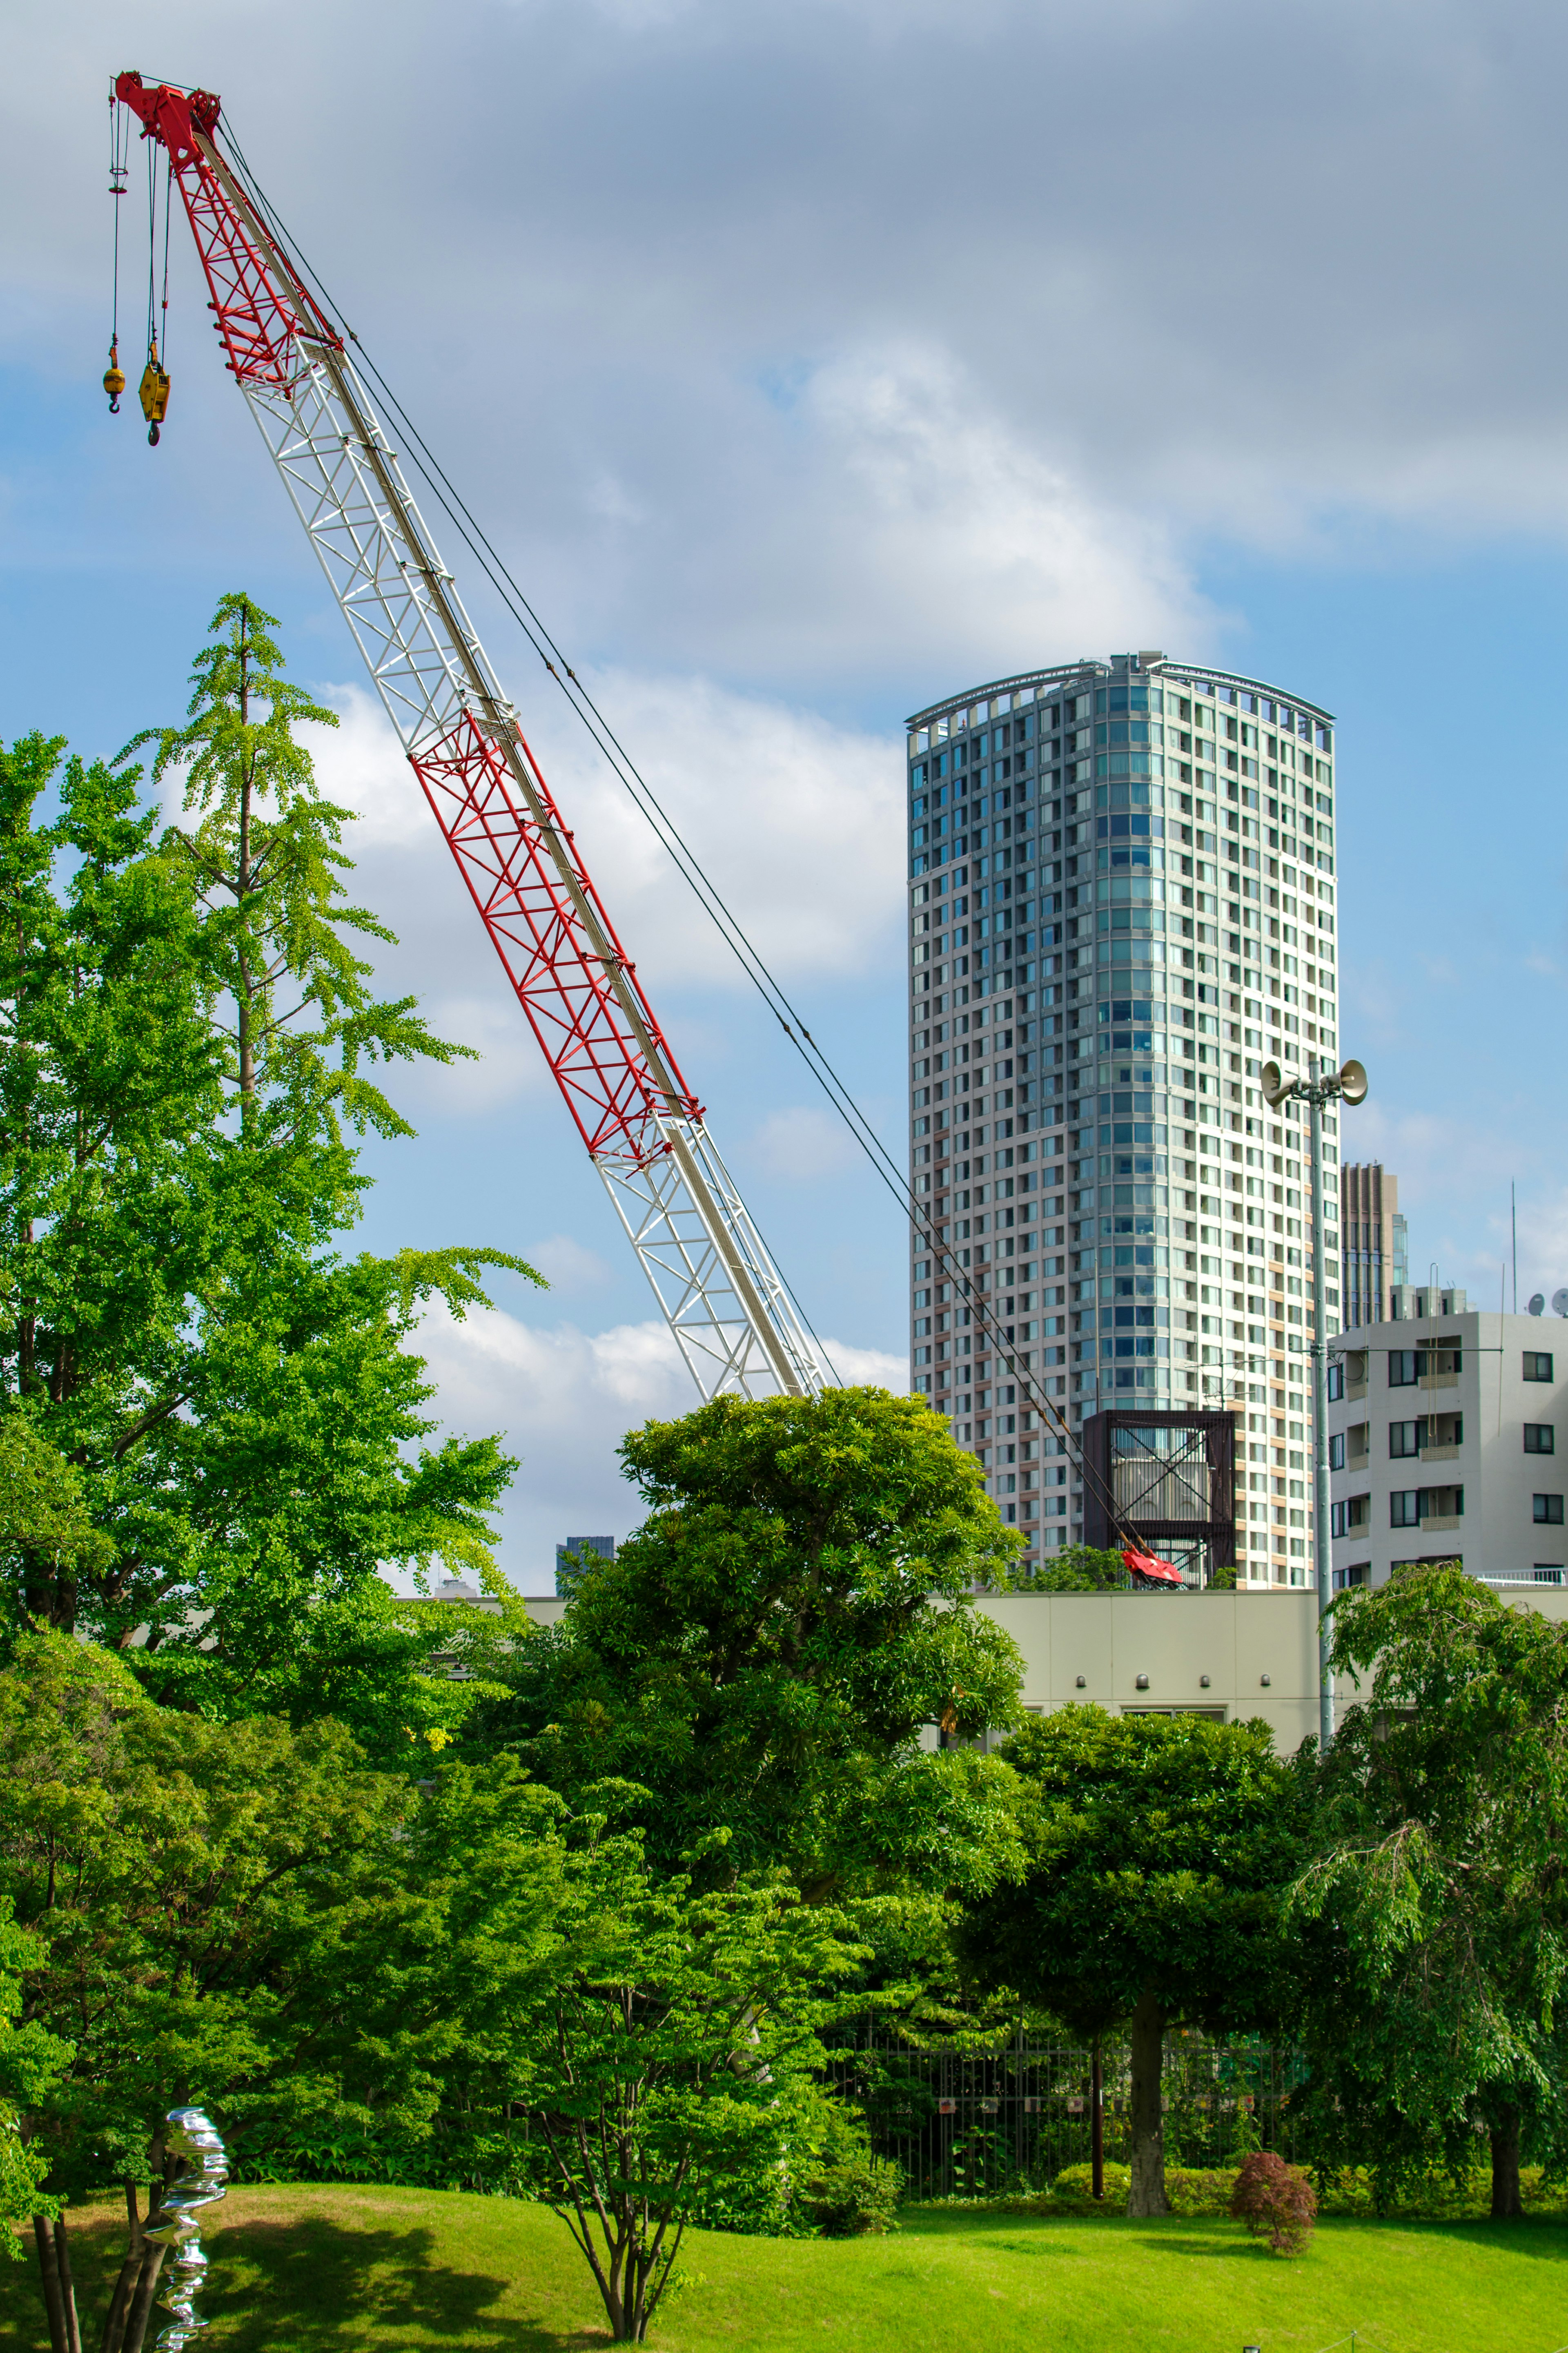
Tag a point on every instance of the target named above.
point(1352, 1082)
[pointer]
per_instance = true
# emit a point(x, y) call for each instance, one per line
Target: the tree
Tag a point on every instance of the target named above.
point(763, 1654)
point(175, 1879)
point(242, 1405)
point(1082, 1568)
point(1439, 1894)
point(1158, 1853)
point(264, 862)
point(669, 2057)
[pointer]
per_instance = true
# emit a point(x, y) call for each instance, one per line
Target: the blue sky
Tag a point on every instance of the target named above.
point(809, 362)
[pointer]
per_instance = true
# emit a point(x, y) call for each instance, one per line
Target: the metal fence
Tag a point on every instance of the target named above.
point(984, 2122)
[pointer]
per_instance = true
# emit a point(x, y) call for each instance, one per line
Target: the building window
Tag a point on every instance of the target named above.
point(1548, 1511)
point(1403, 1367)
point(1336, 1382)
point(1339, 1519)
point(1540, 1437)
point(1403, 1438)
point(1337, 1452)
point(1405, 1508)
point(1537, 1365)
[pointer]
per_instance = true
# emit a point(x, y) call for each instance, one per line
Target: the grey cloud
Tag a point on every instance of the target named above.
point(1148, 270)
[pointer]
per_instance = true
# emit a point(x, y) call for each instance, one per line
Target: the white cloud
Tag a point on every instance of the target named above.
point(956, 539)
point(563, 1400)
point(803, 1145)
point(799, 822)
point(868, 1367)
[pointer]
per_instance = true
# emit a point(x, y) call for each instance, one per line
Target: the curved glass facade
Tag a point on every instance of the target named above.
point(1121, 903)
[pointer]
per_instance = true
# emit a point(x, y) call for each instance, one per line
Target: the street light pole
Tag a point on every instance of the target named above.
point(1323, 1085)
point(1322, 1553)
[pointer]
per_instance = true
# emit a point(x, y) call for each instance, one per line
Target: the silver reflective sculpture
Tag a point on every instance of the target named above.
point(178, 2227)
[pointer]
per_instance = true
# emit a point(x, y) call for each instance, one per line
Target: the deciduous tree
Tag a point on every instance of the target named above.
point(185, 1033)
point(1159, 1851)
point(765, 1652)
point(1440, 1896)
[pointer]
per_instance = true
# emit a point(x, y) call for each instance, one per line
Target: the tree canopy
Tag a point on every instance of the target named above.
point(765, 1652)
point(224, 1405)
point(1158, 1853)
point(1439, 1894)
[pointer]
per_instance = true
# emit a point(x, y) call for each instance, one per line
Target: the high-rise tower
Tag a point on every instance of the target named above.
point(1122, 903)
point(1375, 1251)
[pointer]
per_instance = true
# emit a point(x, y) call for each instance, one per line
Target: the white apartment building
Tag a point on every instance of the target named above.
point(1443, 1429)
point(1121, 903)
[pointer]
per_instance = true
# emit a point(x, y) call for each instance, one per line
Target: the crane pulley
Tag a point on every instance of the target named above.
point(644, 1129)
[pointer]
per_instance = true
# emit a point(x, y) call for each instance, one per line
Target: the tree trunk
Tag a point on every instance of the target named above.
point(1506, 2201)
point(124, 2286)
point(142, 2302)
point(1147, 2193)
point(67, 2286)
point(1096, 2121)
point(49, 2274)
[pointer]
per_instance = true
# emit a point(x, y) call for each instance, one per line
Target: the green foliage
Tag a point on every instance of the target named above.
point(1438, 1902)
point(165, 1870)
point(210, 1422)
point(1077, 2181)
point(670, 2054)
point(31, 2058)
point(763, 1654)
point(853, 2196)
point(1080, 1568)
point(1159, 1851)
point(264, 862)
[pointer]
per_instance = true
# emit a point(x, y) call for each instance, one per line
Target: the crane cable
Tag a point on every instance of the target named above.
point(640, 792)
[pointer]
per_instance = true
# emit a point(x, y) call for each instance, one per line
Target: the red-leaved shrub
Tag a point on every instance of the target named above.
point(1272, 2196)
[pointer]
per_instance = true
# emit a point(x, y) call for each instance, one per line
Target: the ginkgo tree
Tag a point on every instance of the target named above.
point(264, 857)
point(184, 1037)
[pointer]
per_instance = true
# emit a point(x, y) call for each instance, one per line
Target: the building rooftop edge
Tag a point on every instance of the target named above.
point(1167, 665)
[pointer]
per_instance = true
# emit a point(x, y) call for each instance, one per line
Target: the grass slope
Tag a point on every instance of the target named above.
point(388, 2271)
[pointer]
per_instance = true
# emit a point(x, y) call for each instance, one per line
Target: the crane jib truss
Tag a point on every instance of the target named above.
point(716, 1284)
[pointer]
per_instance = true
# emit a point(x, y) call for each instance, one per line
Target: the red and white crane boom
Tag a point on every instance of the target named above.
point(645, 1131)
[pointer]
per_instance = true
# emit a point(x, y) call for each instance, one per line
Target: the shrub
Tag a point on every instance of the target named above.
point(1199, 2190)
point(1078, 2181)
point(1272, 2196)
point(853, 2197)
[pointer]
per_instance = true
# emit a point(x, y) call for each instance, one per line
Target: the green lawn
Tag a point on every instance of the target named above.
point(388, 2271)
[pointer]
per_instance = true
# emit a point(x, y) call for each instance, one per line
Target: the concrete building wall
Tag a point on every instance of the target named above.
point(1258, 1650)
point(1471, 1403)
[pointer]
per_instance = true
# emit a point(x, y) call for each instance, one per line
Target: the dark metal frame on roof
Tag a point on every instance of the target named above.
point(1199, 1471)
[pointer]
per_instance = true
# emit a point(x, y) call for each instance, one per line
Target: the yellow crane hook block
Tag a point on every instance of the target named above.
point(154, 394)
point(113, 379)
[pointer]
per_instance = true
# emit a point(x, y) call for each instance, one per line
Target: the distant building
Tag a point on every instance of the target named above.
point(1373, 1243)
point(1443, 1429)
point(569, 1563)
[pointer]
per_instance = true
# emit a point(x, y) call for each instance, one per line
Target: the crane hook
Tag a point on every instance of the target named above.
point(114, 377)
point(154, 390)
